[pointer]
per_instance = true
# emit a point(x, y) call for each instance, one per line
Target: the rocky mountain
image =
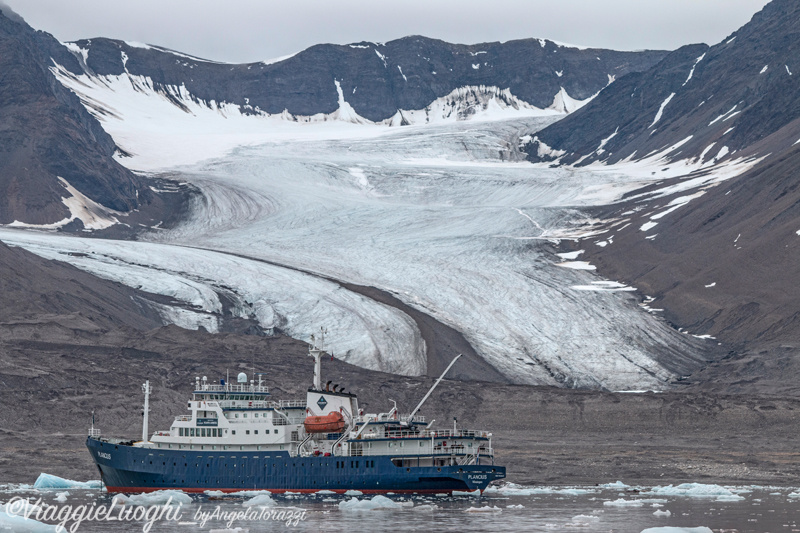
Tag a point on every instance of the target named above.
point(380, 81)
point(56, 161)
point(733, 99)
point(719, 261)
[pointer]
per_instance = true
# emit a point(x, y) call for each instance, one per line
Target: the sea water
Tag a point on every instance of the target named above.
point(611, 507)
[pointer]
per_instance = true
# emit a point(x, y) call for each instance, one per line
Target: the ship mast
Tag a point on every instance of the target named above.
point(316, 350)
point(146, 389)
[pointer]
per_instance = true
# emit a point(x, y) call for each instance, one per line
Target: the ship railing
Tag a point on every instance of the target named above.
point(183, 418)
point(232, 404)
point(283, 404)
point(384, 417)
point(162, 434)
point(94, 432)
point(233, 388)
point(423, 452)
point(428, 434)
point(449, 433)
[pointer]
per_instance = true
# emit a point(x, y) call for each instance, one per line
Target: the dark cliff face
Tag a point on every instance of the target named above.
point(742, 94)
point(376, 79)
point(46, 133)
point(726, 264)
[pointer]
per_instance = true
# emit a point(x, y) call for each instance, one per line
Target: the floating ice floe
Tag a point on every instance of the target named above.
point(695, 490)
point(622, 502)
point(159, 497)
point(51, 482)
point(20, 524)
point(262, 500)
point(486, 509)
point(376, 503)
point(512, 489)
point(61, 497)
point(615, 485)
point(353, 493)
point(426, 507)
point(668, 529)
point(659, 512)
point(475, 492)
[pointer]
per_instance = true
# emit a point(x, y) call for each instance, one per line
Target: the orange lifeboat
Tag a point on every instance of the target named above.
point(330, 423)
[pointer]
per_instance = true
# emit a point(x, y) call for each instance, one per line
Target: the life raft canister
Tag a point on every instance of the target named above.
point(330, 423)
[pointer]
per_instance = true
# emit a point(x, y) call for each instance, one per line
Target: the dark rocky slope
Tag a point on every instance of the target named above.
point(726, 263)
point(376, 79)
point(742, 94)
point(46, 133)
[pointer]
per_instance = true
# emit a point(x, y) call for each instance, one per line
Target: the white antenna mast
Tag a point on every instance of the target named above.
point(316, 350)
point(146, 389)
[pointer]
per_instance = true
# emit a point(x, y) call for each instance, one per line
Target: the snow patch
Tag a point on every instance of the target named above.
point(691, 72)
point(278, 59)
point(564, 103)
point(401, 73)
point(711, 285)
point(664, 104)
point(570, 255)
point(93, 215)
point(763, 70)
point(648, 226)
point(577, 265)
point(383, 58)
point(722, 117)
point(787, 70)
point(604, 286)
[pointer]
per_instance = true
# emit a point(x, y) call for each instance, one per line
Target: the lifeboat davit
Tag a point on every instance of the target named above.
point(330, 423)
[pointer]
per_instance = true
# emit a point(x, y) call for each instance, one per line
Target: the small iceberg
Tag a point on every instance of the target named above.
point(159, 497)
point(20, 524)
point(50, 482)
point(262, 500)
point(377, 502)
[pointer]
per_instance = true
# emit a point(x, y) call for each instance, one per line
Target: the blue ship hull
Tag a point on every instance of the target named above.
point(131, 469)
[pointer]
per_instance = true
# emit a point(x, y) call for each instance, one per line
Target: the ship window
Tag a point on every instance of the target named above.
point(237, 415)
point(276, 431)
point(247, 431)
point(192, 431)
point(245, 415)
point(255, 431)
point(421, 444)
point(233, 432)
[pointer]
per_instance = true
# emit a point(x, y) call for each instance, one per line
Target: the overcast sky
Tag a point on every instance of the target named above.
point(253, 30)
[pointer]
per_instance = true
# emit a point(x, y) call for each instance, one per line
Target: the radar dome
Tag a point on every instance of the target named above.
point(241, 378)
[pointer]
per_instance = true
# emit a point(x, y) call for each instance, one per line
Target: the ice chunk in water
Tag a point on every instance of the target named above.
point(262, 500)
point(48, 481)
point(377, 502)
point(160, 497)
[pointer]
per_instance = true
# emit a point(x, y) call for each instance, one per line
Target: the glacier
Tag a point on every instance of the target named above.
point(445, 215)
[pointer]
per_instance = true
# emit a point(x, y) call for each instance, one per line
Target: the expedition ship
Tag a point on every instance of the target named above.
point(236, 438)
